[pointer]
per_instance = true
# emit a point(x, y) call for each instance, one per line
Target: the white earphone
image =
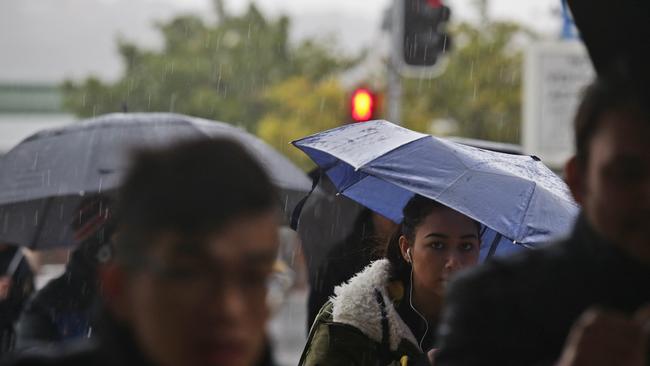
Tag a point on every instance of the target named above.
point(426, 323)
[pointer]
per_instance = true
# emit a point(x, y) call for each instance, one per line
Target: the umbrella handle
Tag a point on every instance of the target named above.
point(494, 245)
point(15, 261)
point(295, 215)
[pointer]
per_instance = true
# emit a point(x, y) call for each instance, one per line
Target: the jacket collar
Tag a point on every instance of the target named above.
point(355, 304)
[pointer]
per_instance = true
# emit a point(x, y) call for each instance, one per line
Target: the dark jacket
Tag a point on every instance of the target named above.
point(361, 325)
point(61, 311)
point(337, 236)
point(518, 311)
point(13, 264)
point(113, 345)
point(344, 259)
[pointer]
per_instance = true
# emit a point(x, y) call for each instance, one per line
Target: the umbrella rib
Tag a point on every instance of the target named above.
point(451, 185)
point(360, 180)
point(365, 164)
point(40, 224)
point(530, 199)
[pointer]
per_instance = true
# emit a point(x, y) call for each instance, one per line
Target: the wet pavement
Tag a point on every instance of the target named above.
point(288, 329)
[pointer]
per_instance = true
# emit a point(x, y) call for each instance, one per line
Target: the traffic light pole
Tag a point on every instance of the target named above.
point(394, 97)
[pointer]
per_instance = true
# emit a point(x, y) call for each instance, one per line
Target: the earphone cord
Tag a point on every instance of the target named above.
point(426, 323)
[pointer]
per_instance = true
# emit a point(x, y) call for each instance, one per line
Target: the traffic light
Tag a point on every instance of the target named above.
point(424, 37)
point(363, 105)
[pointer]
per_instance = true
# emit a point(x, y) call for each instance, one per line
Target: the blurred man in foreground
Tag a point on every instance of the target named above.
point(586, 300)
point(196, 244)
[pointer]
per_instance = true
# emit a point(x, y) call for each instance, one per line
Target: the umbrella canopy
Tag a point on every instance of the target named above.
point(43, 179)
point(382, 165)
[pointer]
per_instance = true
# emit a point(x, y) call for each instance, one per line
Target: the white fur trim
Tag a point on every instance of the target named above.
point(355, 304)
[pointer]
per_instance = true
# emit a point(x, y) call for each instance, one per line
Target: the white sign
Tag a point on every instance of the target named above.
point(555, 74)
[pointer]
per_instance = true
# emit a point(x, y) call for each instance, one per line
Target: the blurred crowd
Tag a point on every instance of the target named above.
point(185, 262)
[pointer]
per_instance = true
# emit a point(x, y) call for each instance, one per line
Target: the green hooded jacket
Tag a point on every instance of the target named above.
point(360, 325)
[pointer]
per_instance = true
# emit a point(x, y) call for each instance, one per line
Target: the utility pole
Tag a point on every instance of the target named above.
point(394, 79)
point(394, 102)
point(482, 7)
point(419, 42)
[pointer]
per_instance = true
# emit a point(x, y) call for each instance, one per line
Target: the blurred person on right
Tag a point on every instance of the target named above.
point(195, 246)
point(585, 300)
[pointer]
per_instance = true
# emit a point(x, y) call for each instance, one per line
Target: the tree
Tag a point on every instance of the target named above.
point(218, 71)
point(300, 108)
point(479, 93)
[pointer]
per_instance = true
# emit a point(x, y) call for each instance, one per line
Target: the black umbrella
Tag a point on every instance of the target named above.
point(44, 178)
point(326, 219)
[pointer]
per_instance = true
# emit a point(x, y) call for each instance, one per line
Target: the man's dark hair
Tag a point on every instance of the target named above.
point(193, 188)
point(602, 96)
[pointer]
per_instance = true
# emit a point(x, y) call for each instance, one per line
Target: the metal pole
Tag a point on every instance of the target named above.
point(568, 26)
point(394, 97)
point(394, 113)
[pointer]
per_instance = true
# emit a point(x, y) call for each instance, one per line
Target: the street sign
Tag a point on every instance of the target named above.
point(555, 74)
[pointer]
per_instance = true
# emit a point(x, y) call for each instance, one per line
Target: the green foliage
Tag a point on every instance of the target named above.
point(243, 70)
point(218, 71)
point(300, 108)
point(479, 94)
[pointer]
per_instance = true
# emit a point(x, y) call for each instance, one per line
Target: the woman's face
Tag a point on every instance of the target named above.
point(445, 242)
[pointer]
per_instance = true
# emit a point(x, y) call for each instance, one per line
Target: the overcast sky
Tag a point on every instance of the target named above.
point(50, 40)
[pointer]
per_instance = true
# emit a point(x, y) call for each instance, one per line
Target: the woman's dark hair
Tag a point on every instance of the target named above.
point(415, 211)
point(193, 188)
point(602, 96)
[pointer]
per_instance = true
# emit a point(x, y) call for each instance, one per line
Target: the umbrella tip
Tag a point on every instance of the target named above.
point(535, 158)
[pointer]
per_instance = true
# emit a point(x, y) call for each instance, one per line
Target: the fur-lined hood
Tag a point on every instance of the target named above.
point(355, 303)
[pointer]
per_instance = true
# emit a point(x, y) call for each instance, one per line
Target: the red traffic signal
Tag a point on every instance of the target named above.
point(363, 105)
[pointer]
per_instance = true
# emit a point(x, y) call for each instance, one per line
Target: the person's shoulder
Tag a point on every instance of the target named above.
point(553, 254)
point(324, 315)
point(52, 295)
point(521, 269)
point(335, 343)
point(70, 356)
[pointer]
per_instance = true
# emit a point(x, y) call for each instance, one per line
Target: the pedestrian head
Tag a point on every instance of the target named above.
point(432, 242)
point(196, 246)
point(610, 173)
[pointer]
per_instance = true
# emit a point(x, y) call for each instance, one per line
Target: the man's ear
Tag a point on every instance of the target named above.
point(114, 290)
point(574, 175)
